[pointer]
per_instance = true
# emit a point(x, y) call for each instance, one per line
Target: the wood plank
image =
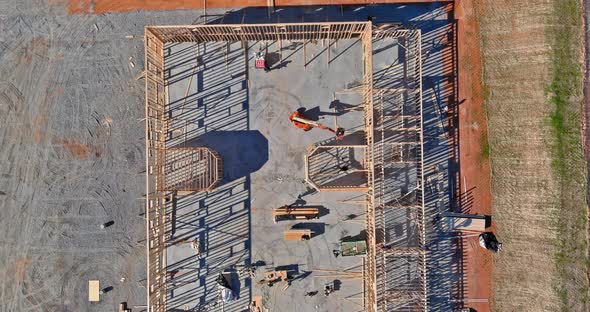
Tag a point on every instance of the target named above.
point(297, 212)
point(297, 235)
point(256, 304)
point(93, 291)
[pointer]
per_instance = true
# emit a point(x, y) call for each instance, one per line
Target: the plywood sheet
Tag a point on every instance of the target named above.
point(297, 235)
point(93, 291)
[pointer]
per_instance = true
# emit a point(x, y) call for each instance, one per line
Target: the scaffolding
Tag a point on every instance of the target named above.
point(159, 190)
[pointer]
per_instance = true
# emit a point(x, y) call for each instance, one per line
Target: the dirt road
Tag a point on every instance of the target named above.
point(474, 177)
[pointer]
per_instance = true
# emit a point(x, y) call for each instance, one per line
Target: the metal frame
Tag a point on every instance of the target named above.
point(157, 132)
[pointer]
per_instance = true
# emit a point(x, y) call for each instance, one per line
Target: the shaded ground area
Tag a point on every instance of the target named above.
point(209, 107)
point(398, 166)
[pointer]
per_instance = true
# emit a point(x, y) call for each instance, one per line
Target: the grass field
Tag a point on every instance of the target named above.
point(533, 70)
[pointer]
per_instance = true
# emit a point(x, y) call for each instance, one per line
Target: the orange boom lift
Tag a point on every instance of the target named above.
point(302, 122)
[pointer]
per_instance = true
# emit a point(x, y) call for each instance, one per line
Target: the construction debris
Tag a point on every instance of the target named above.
point(328, 289)
point(270, 278)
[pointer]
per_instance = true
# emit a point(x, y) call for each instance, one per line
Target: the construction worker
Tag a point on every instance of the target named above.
point(266, 66)
point(311, 293)
point(328, 289)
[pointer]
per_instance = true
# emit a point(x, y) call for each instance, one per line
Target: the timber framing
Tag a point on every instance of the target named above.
point(332, 168)
point(159, 195)
point(192, 169)
point(398, 147)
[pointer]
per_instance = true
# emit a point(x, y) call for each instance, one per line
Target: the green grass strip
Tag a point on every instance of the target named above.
point(567, 155)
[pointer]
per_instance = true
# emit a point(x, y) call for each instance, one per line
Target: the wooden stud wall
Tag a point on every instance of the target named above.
point(156, 198)
point(157, 195)
point(157, 129)
point(416, 299)
point(370, 278)
point(260, 32)
point(191, 169)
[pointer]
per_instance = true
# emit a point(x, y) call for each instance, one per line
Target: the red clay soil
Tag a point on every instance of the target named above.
point(22, 265)
point(75, 148)
point(474, 161)
point(104, 6)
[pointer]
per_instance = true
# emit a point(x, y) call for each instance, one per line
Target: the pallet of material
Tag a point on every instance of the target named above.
point(298, 235)
point(93, 291)
point(256, 304)
point(276, 276)
point(288, 213)
point(355, 248)
point(475, 224)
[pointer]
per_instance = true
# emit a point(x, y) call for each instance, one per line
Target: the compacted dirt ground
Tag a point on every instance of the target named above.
point(72, 157)
point(474, 177)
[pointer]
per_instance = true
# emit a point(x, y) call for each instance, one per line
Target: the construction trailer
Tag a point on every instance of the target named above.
point(381, 142)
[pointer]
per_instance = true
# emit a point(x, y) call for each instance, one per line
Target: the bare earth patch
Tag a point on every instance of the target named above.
point(76, 149)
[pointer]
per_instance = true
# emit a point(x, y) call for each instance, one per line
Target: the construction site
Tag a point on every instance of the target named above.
point(322, 123)
point(367, 181)
point(296, 158)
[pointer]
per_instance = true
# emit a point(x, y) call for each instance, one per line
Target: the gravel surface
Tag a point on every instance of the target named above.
point(72, 156)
